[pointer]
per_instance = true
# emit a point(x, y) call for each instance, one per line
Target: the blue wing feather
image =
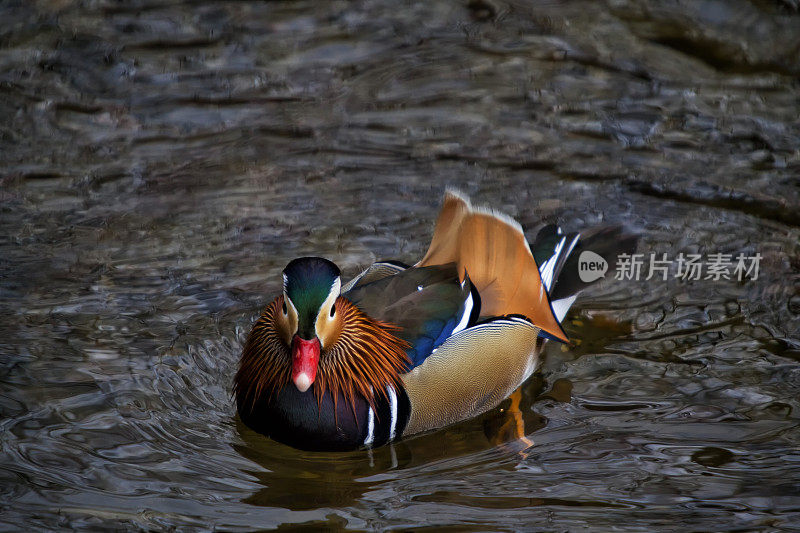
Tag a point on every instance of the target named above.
point(428, 303)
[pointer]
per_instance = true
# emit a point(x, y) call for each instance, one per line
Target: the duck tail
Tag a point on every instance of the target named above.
point(492, 248)
point(558, 255)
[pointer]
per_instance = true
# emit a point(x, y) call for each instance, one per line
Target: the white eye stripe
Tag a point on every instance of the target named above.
point(336, 288)
point(288, 300)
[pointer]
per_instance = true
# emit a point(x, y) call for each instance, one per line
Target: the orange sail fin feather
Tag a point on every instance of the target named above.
point(493, 251)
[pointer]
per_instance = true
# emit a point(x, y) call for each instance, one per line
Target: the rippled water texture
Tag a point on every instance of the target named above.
point(163, 160)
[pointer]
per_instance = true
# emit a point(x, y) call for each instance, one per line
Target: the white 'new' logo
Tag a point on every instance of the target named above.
point(591, 266)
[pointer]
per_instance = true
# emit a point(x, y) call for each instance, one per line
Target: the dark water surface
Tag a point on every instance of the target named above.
point(163, 160)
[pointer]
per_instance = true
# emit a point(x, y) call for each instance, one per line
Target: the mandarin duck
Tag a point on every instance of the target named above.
point(401, 349)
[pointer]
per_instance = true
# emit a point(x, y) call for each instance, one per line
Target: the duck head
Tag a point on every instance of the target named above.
point(313, 338)
point(307, 321)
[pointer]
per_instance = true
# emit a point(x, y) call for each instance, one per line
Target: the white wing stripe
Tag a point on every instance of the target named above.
point(465, 317)
point(547, 271)
point(560, 307)
point(370, 428)
point(572, 244)
point(393, 409)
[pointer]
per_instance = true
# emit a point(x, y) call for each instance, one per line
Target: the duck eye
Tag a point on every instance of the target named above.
point(285, 310)
point(333, 311)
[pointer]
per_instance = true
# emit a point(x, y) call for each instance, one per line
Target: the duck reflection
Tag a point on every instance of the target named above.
point(300, 480)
